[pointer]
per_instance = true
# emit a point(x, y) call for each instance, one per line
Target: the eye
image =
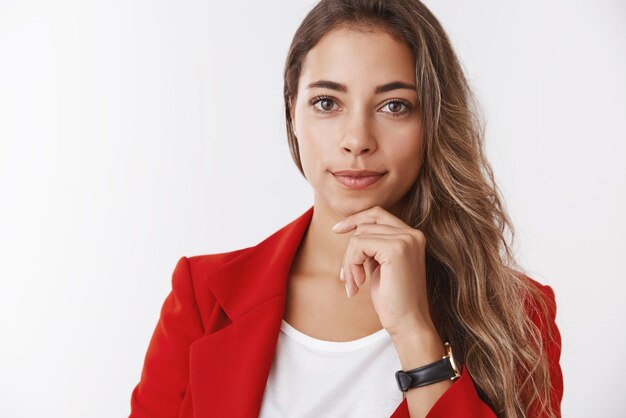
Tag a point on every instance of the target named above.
point(395, 106)
point(326, 104)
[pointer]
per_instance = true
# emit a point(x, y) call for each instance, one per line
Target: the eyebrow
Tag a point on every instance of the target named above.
point(332, 85)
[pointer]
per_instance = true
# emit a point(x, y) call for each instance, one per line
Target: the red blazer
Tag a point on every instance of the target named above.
point(211, 352)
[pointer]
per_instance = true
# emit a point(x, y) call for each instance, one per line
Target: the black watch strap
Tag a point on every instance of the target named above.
point(425, 375)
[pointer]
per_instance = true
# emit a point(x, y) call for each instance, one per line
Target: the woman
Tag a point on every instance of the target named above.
point(438, 320)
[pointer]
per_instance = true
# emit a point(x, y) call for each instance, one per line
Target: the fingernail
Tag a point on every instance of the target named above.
point(347, 292)
point(336, 225)
point(341, 274)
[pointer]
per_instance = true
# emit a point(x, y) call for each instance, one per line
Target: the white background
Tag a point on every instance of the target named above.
point(135, 132)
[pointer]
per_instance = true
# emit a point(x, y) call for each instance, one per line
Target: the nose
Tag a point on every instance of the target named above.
point(358, 137)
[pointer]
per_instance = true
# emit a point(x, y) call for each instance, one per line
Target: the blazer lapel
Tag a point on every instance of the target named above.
point(229, 366)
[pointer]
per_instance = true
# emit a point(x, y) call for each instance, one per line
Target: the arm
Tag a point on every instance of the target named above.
point(461, 399)
point(165, 373)
point(443, 399)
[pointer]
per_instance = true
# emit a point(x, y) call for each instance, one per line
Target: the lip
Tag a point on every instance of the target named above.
point(357, 173)
point(354, 182)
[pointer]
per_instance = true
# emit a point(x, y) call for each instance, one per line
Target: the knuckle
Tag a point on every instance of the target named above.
point(400, 246)
point(419, 237)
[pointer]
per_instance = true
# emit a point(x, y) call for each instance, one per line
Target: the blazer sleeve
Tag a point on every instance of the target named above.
point(165, 374)
point(552, 346)
point(462, 400)
point(459, 400)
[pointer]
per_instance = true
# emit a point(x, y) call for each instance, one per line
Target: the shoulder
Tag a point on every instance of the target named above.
point(203, 264)
point(197, 268)
point(541, 307)
point(189, 284)
point(542, 310)
point(544, 288)
point(540, 297)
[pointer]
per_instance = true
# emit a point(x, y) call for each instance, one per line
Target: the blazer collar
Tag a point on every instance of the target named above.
point(259, 273)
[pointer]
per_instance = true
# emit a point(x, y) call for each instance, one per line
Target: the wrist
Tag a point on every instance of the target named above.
point(417, 347)
point(439, 373)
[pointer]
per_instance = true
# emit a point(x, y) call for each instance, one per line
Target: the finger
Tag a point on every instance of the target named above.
point(344, 275)
point(364, 228)
point(370, 266)
point(353, 274)
point(373, 215)
point(347, 274)
point(358, 274)
point(375, 279)
point(351, 286)
point(361, 250)
point(381, 229)
point(414, 237)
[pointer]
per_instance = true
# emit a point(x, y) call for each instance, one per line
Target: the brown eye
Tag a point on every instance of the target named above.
point(396, 107)
point(326, 104)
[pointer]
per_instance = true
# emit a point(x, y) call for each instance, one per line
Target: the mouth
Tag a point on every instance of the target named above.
point(357, 182)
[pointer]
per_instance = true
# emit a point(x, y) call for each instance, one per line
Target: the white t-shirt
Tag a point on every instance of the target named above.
point(316, 378)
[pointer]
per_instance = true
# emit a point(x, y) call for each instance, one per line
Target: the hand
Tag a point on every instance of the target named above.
point(393, 256)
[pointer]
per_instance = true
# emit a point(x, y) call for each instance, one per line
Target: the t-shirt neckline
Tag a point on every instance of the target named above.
point(337, 346)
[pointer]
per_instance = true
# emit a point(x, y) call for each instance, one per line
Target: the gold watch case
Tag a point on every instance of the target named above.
point(455, 366)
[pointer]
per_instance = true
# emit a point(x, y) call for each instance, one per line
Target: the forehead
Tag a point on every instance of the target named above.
point(358, 57)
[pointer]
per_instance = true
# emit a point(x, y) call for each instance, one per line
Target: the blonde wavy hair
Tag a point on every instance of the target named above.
point(478, 297)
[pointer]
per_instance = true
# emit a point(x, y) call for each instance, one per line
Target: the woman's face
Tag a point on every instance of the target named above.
point(343, 123)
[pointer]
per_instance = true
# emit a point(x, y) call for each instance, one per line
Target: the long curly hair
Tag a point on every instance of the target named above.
point(477, 294)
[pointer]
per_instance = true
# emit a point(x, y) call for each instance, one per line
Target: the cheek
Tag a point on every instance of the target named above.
point(311, 156)
point(407, 146)
point(409, 157)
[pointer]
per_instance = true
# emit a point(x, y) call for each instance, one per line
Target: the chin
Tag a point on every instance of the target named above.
point(346, 207)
